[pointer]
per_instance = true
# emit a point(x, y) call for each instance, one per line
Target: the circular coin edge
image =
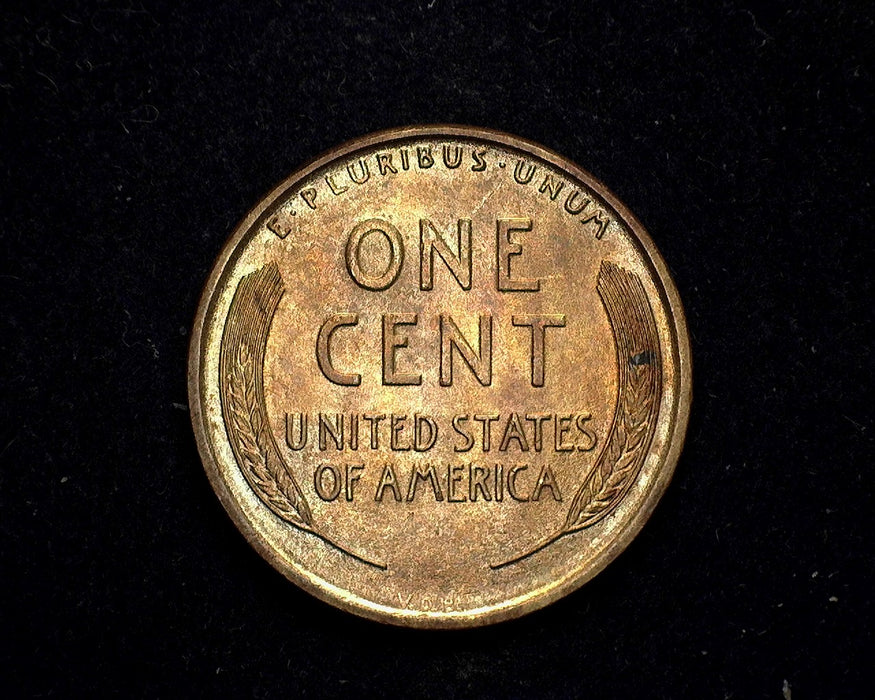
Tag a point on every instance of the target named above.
point(538, 598)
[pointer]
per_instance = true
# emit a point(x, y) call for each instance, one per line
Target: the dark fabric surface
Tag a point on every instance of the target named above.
point(133, 139)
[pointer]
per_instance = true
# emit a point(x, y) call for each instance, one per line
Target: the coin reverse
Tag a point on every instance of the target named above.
point(440, 376)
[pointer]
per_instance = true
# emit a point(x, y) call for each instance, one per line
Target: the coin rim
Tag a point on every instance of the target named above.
point(520, 605)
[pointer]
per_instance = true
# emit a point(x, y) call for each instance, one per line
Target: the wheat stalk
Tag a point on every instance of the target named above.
point(614, 475)
point(620, 462)
point(263, 470)
point(244, 340)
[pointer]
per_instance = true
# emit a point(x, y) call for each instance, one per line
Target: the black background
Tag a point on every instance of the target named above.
point(134, 138)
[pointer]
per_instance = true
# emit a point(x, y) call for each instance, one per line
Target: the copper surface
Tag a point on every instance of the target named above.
point(440, 376)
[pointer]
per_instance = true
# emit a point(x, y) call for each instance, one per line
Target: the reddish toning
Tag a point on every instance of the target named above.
point(440, 377)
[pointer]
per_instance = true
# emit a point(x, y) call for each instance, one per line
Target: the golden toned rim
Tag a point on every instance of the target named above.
point(538, 598)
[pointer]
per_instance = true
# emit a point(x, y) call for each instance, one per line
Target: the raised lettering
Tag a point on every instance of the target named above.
point(538, 424)
point(479, 362)
point(354, 263)
point(572, 206)
point(392, 340)
point(278, 229)
point(546, 480)
point(308, 194)
point(353, 474)
point(456, 160)
point(387, 481)
point(353, 431)
point(562, 425)
point(454, 478)
point(512, 475)
point(323, 349)
point(374, 420)
point(589, 437)
point(334, 431)
point(296, 443)
point(363, 175)
point(432, 241)
point(478, 481)
point(335, 190)
point(469, 440)
point(424, 473)
point(518, 174)
point(554, 187)
point(384, 163)
point(514, 431)
point(326, 494)
point(423, 157)
point(487, 420)
point(601, 224)
point(479, 161)
point(538, 325)
point(423, 440)
point(505, 249)
point(396, 425)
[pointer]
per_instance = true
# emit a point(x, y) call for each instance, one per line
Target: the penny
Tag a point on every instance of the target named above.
point(440, 377)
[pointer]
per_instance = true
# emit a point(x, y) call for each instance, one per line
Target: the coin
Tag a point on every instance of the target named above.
point(440, 376)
